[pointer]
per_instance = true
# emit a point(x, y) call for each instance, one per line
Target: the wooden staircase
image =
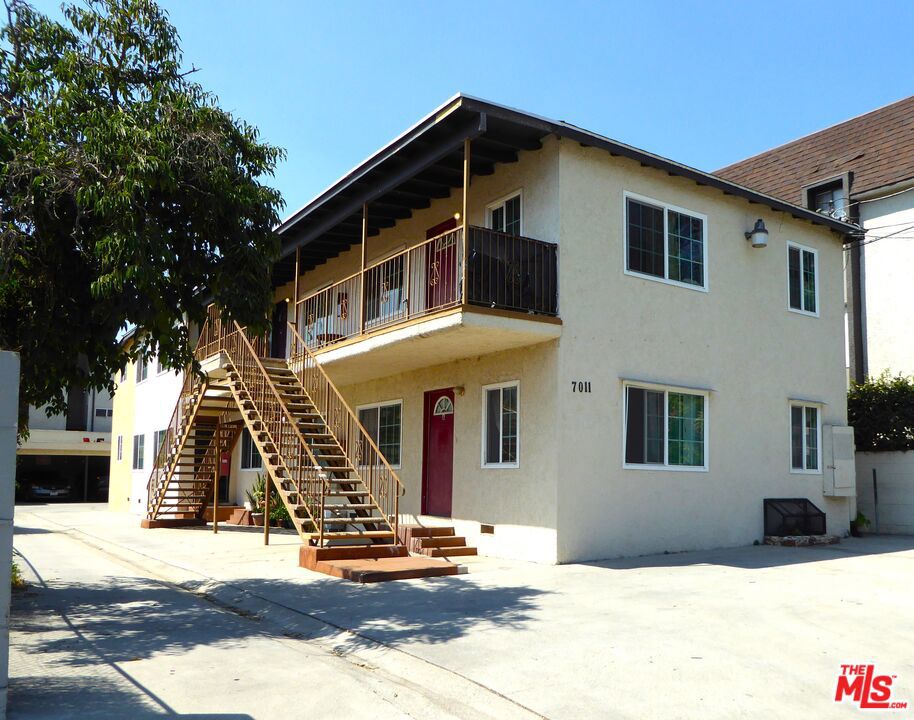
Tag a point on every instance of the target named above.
point(340, 492)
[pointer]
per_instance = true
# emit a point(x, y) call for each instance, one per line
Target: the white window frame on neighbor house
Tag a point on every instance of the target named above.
point(666, 390)
point(250, 453)
point(485, 426)
point(377, 406)
point(666, 207)
point(804, 404)
point(142, 368)
point(500, 203)
point(139, 452)
point(815, 254)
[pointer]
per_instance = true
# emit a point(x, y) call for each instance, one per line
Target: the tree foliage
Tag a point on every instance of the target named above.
point(128, 198)
point(882, 413)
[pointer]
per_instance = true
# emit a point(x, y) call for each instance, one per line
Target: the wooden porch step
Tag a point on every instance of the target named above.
point(441, 541)
point(449, 552)
point(357, 520)
point(347, 493)
point(372, 563)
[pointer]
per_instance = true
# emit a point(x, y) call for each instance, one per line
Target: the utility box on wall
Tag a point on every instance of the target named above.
point(840, 476)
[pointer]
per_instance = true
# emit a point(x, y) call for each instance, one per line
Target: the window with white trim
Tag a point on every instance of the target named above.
point(250, 455)
point(665, 427)
point(505, 214)
point(500, 424)
point(142, 370)
point(158, 437)
point(120, 447)
point(805, 436)
point(139, 450)
point(383, 423)
point(802, 278)
point(665, 242)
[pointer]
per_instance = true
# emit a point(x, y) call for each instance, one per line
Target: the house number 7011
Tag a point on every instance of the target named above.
point(580, 386)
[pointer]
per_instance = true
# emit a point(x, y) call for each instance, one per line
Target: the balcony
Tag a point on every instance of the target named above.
point(411, 310)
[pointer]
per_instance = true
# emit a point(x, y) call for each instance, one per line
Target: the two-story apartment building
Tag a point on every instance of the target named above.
point(567, 347)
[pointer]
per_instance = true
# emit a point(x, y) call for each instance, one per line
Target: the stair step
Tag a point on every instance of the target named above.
point(371, 520)
point(349, 535)
point(347, 493)
point(448, 552)
point(442, 541)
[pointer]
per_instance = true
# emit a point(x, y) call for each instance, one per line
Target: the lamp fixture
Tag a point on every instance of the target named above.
point(758, 236)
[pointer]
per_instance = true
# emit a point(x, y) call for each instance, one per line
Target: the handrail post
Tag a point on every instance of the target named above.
point(295, 287)
point(216, 459)
point(464, 293)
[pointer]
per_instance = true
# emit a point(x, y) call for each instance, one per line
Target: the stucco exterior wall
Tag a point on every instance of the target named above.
point(738, 339)
point(520, 501)
point(888, 295)
point(120, 484)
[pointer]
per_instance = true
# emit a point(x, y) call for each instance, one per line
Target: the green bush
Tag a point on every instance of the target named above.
point(882, 413)
point(16, 580)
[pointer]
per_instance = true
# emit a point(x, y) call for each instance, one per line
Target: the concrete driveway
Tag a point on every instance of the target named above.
point(757, 632)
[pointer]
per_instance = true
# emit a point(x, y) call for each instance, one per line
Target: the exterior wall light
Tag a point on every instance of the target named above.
point(759, 235)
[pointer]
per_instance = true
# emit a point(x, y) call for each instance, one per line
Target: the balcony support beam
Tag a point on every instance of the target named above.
point(466, 225)
point(362, 270)
point(295, 287)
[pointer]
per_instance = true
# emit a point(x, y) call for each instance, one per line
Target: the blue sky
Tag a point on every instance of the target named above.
point(704, 83)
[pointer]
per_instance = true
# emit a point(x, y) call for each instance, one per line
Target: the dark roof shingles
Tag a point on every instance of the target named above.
point(877, 147)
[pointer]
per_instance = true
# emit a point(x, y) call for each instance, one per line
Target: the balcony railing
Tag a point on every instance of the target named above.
point(504, 271)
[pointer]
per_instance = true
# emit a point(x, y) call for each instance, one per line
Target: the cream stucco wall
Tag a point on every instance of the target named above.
point(888, 295)
point(738, 339)
point(120, 484)
point(520, 502)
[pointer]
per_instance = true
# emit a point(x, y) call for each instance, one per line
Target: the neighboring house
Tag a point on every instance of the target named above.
point(66, 456)
point(862, 170)
point(561, 344)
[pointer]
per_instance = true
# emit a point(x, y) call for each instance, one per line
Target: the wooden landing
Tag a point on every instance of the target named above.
point(383, 562)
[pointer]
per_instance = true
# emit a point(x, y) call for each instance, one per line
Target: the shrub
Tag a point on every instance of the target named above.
point(882, 412)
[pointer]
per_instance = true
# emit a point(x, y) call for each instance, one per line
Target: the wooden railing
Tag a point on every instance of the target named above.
point(171, 444)
point(503, 271)
point(378, 478)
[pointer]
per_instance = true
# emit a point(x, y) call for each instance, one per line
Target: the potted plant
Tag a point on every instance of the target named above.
point(255, 495)
point(279, 515)
point(859, 524)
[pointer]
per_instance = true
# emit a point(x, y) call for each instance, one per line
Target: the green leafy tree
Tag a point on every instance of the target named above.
point(882, 413)
point(128, 198)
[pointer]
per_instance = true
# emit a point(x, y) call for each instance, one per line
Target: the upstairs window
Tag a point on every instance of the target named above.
point(830, 200)
point(802, 279)
point(804, 438)
point(142, 370)
point(505, 215)
point(665, 242)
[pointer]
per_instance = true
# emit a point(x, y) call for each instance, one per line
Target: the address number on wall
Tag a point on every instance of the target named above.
point(580, 386)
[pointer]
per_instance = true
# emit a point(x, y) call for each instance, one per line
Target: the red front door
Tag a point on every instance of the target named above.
point(438, 453)
point(441, 266)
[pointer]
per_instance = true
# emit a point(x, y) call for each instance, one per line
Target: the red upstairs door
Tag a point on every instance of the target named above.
point(438, 453)
point(441, 265)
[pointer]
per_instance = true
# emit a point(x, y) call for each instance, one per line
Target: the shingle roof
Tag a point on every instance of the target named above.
point(878, 147)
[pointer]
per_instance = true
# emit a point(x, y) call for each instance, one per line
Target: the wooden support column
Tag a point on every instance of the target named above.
point(464, 293)
point(362, 303)
point(268, 490)
point(217, 458)
point(295, 287)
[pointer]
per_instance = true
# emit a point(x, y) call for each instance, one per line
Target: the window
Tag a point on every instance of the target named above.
point(139, 447)
point(250, 455)
point(665, 242)
point(383, 423)
point(505, 215)
point(120, 447)
point(500, 432)
point(142, 370)
point(123, 374)
point(160, 368)
point(802, 271)
point(158, 437)
point(830, 200)
point(103, 412)
point(804, 438)
point(665, 427)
